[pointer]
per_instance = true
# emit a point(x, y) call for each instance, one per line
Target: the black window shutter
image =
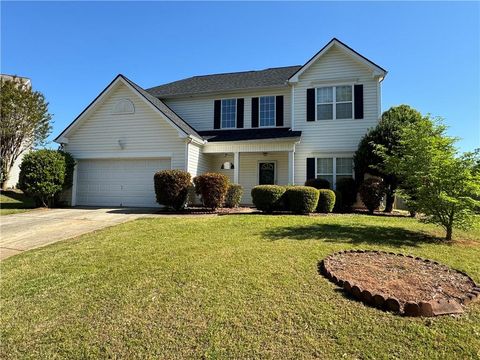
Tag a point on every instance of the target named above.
point(279, 110)
point(358, 99)
point(217, 113)
point(311, 104)
point(255, 112)
point(240, 103)
point(311, 168)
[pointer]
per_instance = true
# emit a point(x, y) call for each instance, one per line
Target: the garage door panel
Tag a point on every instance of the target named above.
point(112, 182)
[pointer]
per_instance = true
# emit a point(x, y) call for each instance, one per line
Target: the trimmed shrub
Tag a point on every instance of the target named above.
point(234, 195)
point(338, 208)
point(326, 201)
point(372, 191)
point(318, 183)
point(348, 188)
point(267, 198)
point(171, 188)
point(212, 188)
point(42, 175)
point(302, 199)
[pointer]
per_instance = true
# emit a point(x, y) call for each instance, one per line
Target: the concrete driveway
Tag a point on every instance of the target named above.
point(36, 228)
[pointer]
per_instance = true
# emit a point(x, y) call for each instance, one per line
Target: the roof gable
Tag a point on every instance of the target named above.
point(169, 115)
point(376, 69)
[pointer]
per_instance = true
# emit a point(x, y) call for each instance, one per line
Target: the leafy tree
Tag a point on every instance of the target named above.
point(386, 134)
point(25, 122)
point(441, 184)
point(42, 175)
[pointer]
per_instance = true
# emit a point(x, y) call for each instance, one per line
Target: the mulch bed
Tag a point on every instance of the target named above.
point(404, 284)
point(205, 211)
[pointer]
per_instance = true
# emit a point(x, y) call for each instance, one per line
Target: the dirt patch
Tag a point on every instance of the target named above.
point(404, 279)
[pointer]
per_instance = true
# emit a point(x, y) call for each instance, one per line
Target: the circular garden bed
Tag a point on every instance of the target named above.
point(400, 283)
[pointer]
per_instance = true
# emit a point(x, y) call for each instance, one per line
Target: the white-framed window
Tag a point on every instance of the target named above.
point(335, 102)
point(333, 169)
point(229, 113)
point(266, 111)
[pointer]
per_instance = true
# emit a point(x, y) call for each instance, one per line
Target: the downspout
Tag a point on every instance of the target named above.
point(187, 143)
point(292, 106)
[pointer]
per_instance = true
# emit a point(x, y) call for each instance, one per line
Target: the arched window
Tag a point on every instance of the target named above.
point(123, 106)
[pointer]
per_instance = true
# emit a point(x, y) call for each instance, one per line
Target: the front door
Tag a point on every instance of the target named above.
point(266, 173)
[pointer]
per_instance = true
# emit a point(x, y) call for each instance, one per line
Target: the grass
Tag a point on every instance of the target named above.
point(12, 202)
point(241, 286)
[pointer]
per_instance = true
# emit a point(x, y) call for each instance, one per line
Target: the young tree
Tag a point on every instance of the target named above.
point(442, 184)
point(25, 122)
point(386, 134)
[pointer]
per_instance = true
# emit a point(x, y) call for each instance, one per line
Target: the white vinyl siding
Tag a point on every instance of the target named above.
point(197, 161)
point(143, 133)
point(198, 111)
point(322, 138)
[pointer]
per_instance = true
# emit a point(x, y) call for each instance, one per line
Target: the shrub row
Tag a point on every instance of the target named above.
point(297, 199)
point(174, 187)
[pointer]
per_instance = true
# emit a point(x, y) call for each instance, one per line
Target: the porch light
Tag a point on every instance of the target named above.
point(227, 165)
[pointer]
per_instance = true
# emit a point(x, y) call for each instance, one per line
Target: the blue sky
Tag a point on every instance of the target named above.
point(72, 50)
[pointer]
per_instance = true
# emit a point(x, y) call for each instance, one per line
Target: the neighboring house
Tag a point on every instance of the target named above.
point(15, 170)
point(274, 126)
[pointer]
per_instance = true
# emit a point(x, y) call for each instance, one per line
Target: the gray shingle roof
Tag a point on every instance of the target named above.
point(169, 113)
point(273, 77)
point(249, 134)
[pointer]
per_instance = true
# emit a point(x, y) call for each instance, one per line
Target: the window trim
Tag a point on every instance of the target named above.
point(221, 113)
point(334, 167)
point(274, 112)
point(334, 101)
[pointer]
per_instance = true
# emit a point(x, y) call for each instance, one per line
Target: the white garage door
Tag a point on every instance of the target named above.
point(118, 182)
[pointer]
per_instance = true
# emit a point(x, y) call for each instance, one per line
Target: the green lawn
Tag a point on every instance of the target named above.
point(12, 202)
point(241, 286)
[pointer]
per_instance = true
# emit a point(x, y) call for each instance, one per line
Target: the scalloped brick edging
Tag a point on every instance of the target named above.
point(421, 308)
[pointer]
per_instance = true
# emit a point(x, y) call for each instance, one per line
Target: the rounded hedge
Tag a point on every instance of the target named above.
point(318, 183)
point(171, 188)
point(267, 197)
point(326, 201)
point(302, 199)
point(348, 190)
point(212, 188)
point(42, 175)
point(234, 195)
point(372, 191)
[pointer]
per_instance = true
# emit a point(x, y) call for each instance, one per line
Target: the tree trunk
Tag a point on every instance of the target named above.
point(389, 200)
point(5, 179)
point(449, 233)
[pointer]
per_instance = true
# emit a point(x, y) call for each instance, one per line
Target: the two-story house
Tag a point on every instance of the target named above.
point(274, 126)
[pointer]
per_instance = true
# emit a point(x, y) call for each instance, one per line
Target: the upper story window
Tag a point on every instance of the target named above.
point(229, 113)
point(267, 111)
point(334, 169)
point(335, 102)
